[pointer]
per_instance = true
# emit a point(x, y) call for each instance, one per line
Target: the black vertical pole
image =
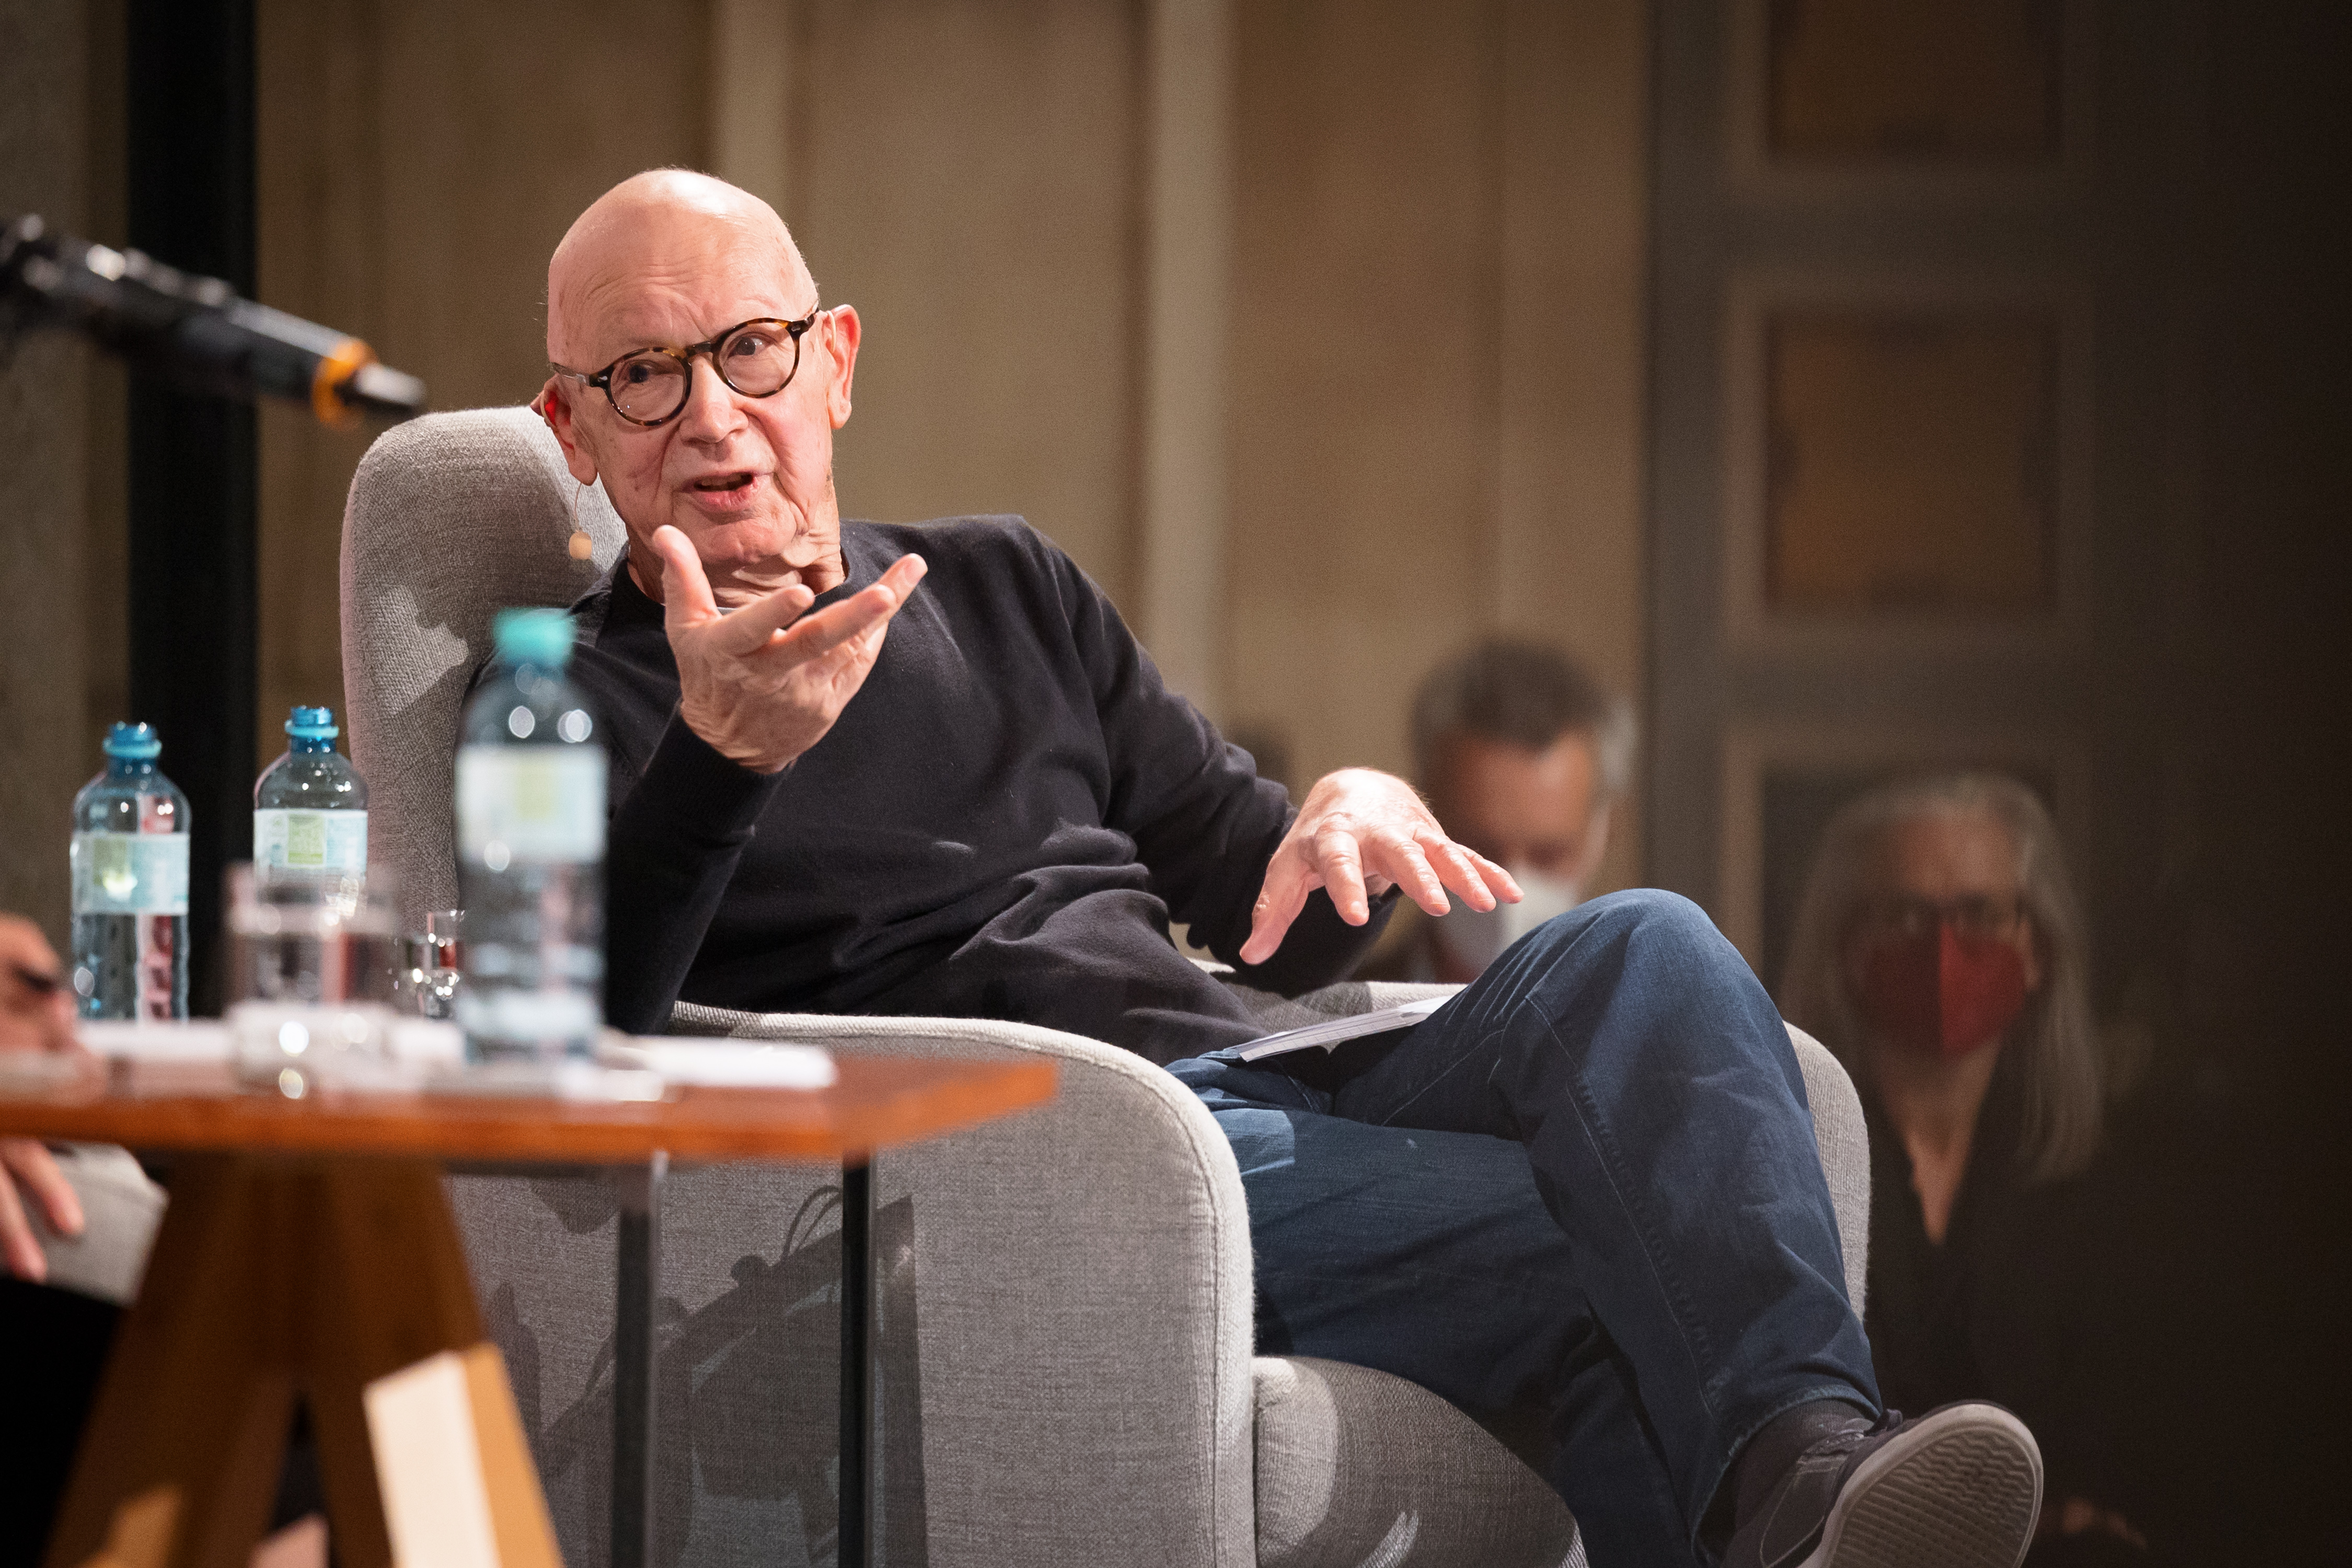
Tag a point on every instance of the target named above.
point(193, 480)
point(855, 1540)
point(638, 1279)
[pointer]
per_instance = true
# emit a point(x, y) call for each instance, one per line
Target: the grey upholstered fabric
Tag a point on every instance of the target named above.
point(1065, 1330)
point(121, 1211)
point(452, 517)
point(1845, 1143)
point(1065, 1301)
point(1358, 1469)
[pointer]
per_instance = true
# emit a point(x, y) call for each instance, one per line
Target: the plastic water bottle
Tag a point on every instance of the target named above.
point(130, 885)
point(530, 852)
point(310, 807)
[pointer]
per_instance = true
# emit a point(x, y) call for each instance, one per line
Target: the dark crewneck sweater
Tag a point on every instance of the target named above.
point(1000, 824)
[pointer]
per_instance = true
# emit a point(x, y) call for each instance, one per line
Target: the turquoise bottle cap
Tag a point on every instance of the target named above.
point(139, 742)
point(543, 637)
point(311, 723)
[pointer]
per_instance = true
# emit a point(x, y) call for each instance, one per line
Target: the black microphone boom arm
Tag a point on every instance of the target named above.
point(195, 332)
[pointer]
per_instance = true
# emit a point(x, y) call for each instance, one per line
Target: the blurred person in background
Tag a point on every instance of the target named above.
point(1940, 952)
point(35, 1014)
point(61, 1336)
point(1520, 752)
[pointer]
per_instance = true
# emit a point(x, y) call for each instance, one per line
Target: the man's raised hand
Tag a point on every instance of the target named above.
point(763, 683)
point(1359, 834)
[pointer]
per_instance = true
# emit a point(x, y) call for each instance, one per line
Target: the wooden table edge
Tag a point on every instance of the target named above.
point(493, 1130)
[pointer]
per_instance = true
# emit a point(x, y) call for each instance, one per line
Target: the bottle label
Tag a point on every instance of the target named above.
point(326, 841)
point(129, 873)
point(513, 1015)
point(530, 803)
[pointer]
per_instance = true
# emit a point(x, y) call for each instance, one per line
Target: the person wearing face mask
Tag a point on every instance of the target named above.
point(1520, 752)
point(1939, 951)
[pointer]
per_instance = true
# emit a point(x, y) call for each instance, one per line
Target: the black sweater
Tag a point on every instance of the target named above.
point(2006, 1307)
point(1000, 824)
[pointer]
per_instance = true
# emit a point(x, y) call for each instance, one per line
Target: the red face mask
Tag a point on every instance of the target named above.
point(1942, 992)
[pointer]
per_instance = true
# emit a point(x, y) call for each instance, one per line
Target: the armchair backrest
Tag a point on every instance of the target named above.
point(451, 518)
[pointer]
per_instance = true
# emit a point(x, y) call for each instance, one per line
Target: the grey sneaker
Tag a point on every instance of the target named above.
point(1959, 1487)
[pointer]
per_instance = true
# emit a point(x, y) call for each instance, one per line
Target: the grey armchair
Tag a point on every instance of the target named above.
point(1065, 1308)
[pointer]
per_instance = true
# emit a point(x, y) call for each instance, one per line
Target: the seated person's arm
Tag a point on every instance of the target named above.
point(759, 687)
point(1227, 854)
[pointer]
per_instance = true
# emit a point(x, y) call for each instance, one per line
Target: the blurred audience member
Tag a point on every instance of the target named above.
point(1521, 753)
point(35, 1014)
point(1939, 951)
point(49, 1390)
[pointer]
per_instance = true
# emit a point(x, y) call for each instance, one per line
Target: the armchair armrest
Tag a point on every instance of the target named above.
point(1085, 1314)
point(1077, 1386)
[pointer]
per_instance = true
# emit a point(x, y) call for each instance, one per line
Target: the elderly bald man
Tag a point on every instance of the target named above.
point(862, 767)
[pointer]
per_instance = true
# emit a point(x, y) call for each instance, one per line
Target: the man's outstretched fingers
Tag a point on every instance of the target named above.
point(1287, 887)
point(1339, 859)
point(867, 610)
point(1499, 879)
point(1461, 870)
point(755, 625)
point(686, 590)
point(1396, 857)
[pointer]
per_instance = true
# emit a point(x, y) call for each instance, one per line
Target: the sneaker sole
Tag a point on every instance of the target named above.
point(1960, 1490)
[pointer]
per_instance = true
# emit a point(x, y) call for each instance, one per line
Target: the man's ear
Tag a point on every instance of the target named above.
point(839, 334)
point(556, 410)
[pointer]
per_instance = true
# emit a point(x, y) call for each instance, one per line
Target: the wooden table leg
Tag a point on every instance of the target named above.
point(270, 1278)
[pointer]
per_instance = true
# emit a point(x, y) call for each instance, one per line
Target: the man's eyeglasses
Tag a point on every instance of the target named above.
point(1976, 915)
point(648, 386)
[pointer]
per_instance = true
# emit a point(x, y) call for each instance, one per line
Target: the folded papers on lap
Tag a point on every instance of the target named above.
point(1339, 1031)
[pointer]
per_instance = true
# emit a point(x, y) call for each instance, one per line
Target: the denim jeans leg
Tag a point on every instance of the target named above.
point(1628, 1047)
point(1430, 1255)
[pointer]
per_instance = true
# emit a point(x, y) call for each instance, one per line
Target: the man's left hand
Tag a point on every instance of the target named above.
point(1359, 834)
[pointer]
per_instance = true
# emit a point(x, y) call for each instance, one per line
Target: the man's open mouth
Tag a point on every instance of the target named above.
point(725, 484)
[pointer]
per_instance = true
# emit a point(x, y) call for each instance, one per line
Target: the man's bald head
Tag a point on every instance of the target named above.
point(664, 223)
point(668, 259)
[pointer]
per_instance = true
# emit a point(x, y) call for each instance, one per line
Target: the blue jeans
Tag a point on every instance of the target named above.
point(1587, 1185)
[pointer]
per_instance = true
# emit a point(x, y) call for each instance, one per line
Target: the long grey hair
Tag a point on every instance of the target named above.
point(2052, 1048)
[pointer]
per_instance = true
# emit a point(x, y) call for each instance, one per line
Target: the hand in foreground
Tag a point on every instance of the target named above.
point(763, 683)
point(35, 1014)
point(1359, 834)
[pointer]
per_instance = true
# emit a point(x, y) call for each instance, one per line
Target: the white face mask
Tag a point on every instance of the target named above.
point(1477, 937)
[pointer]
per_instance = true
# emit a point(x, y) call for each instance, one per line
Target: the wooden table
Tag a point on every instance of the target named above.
point(310, 1248)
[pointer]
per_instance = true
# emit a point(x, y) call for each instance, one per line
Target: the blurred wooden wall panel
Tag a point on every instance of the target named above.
point(418, 164)
point(1911, 464)
point(1574, 375)
point(1364, 367)
point(46, 539)
point(1438, 358)
point(1931, 79)
point(966, 175)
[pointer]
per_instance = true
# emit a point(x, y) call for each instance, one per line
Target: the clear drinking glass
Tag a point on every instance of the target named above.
point(432, 966)
point(311, 979)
